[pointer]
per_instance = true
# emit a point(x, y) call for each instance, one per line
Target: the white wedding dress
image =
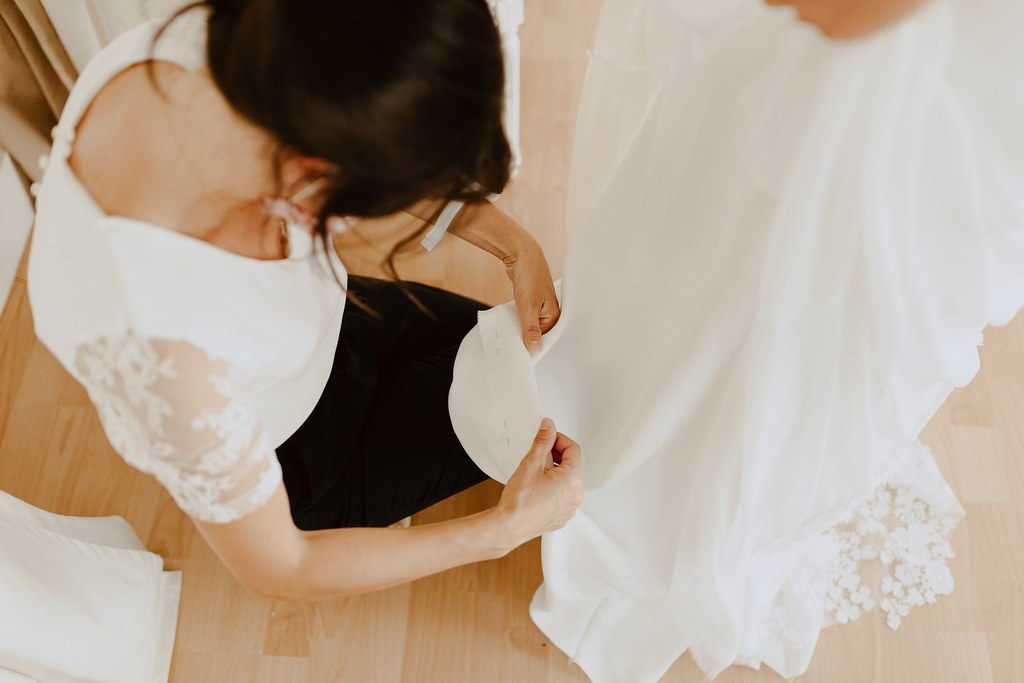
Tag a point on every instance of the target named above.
point(783, 251)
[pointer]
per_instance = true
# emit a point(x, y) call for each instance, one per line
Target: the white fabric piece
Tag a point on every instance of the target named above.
point(440, 229)
point(81, 600)
point(782, 252)
point(8, 676)
point(179, 342)
point(510, 15)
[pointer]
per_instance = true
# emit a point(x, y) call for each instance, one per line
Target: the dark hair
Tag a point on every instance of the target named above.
point(404, 97)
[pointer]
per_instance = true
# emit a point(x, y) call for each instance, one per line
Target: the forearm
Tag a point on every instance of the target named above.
point(487, 227)
point(340, 562)
point(269, 555)
point(483, 225)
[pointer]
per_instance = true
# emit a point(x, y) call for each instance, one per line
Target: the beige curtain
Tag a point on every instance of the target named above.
point(36, 75)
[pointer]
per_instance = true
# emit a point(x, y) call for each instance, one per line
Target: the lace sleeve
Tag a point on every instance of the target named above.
point(173, 411)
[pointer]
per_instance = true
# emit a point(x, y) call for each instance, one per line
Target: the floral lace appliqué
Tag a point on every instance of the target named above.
point(889, 551)
point(174, 412)
point(893, 547)
point(118, 377)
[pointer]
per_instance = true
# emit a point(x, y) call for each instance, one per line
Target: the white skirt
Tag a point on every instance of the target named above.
point(783, 251)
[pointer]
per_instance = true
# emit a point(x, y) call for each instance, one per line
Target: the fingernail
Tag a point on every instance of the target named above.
point(535, 346)
point(546, 423)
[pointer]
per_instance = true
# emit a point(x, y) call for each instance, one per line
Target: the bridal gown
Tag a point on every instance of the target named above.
point(783, 251)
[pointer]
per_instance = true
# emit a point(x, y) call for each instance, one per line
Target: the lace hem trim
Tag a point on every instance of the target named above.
point(889, 551)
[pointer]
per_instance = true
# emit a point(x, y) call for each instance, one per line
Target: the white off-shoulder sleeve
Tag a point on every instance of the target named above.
point(175, 412)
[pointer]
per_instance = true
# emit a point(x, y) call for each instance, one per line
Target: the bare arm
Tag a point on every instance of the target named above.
point(486, 226)
point(268, 554)
point(182, 413)
point(483, 225)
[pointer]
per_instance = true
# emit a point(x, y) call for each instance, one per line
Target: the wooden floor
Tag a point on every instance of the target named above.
point(471, 625)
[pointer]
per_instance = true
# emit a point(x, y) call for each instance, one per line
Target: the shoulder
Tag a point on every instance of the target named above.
point(116, 117)
point(121, 144)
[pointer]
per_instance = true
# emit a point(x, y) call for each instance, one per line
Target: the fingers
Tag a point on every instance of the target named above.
point(529, 314)
point(537, 318)
point(569, 474)
point(549, 314)
point(544, 498)
point(543, 442)
point(566, 451)
point(531, 337)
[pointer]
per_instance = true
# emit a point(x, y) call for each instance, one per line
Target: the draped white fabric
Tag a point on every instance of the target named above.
point(81, 600)
point(783, 251)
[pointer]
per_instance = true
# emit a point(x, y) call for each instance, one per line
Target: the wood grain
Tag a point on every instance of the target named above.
point(471, 624)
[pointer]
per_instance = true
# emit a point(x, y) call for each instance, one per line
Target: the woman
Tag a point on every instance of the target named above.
point(784, 250)
point(181, 271)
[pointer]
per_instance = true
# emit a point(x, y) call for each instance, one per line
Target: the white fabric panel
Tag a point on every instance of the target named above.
point(782, 253)
point(81, 600)
point(510, 15)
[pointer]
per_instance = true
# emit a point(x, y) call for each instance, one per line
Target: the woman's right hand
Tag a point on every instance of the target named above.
point(546, 489)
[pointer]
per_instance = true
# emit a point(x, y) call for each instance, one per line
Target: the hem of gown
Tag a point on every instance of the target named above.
point(818, 544)
point(902, 527)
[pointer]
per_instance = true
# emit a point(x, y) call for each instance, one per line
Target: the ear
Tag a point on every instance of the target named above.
point(299, 168)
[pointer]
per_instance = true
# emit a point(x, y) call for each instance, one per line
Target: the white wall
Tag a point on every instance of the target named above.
point(15, 222)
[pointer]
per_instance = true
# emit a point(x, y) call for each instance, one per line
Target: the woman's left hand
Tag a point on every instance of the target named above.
point(534, 293)
point(488, 227)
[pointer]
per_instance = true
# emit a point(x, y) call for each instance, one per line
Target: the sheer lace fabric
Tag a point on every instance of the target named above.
point(888, 550)
point(175, 412)
point(892, 548)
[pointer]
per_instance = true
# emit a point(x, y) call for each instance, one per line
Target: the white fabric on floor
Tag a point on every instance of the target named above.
point(783, 251)
point(81, 600)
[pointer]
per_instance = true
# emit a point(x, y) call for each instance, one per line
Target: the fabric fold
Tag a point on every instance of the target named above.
point(783, 251)
point(82, 599)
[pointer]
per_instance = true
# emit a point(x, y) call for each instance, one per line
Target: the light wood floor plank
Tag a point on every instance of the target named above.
point(471, 624)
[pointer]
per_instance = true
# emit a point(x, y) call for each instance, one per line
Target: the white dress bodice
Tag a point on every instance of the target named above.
point(199, 360)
